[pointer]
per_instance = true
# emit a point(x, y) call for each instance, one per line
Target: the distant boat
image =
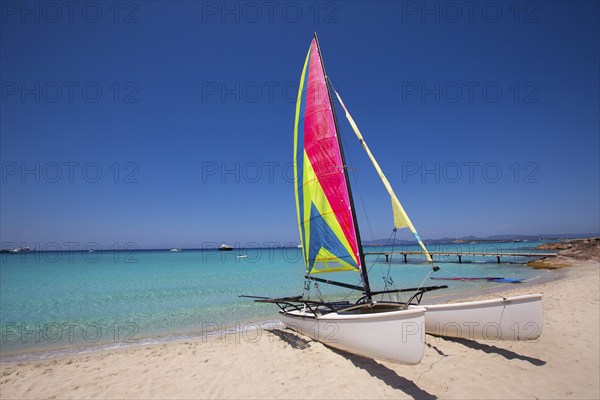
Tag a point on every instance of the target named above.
point(225, 247)
point(20, 250)
point(176, 248)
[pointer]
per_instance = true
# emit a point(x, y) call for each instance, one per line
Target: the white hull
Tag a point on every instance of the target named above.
point(397, 336)
point(514, 318)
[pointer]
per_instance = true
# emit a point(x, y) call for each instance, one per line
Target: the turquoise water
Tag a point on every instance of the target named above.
point(77, 300)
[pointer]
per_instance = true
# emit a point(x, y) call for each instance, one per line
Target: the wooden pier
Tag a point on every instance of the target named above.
point(461, 254)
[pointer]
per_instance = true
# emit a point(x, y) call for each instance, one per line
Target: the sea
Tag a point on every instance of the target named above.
point(63, 303)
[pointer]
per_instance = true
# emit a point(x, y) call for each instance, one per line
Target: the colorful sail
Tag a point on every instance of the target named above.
point(401, 219)
point(325, 220)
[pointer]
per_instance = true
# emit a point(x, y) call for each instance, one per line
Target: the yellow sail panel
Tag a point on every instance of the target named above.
point(401, 220)
point(299, 155)
point(327, 262)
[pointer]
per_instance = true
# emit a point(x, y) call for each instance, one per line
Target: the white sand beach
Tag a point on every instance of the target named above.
point(563, 363)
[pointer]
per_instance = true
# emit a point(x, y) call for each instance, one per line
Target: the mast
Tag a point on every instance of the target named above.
point(361, 254)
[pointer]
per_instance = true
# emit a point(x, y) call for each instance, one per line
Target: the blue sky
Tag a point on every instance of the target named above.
point(150, 122)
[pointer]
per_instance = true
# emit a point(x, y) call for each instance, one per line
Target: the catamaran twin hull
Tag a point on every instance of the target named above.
point(381, 330)
point(385, 331)
point(514, 318)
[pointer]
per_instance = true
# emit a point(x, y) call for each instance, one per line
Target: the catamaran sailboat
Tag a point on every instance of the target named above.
point(176, 249)
point(331, 242)
point(330, 239)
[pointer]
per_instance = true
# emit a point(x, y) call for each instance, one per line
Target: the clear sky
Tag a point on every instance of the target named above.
point(152, 122)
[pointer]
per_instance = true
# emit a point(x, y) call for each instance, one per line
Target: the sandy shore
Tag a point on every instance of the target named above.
point(563, 363)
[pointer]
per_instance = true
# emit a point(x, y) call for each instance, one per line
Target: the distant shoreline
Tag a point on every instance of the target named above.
point(94, 246)
point(571, 252)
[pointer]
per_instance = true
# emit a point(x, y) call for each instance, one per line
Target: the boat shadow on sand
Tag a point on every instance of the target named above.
point(486, 348)
point(386, 375)
point(375, 369)
point(296, 342)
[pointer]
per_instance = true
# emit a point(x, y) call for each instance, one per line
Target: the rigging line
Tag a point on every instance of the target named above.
point(351, 168)
point(361, 255)
point(364, 211)
point(387, 276)
point(483, 288)
point(423, 281)
point(401, 219)
point(376, 261)
point(362, 202)
point(306, 290)
point(318, 290)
